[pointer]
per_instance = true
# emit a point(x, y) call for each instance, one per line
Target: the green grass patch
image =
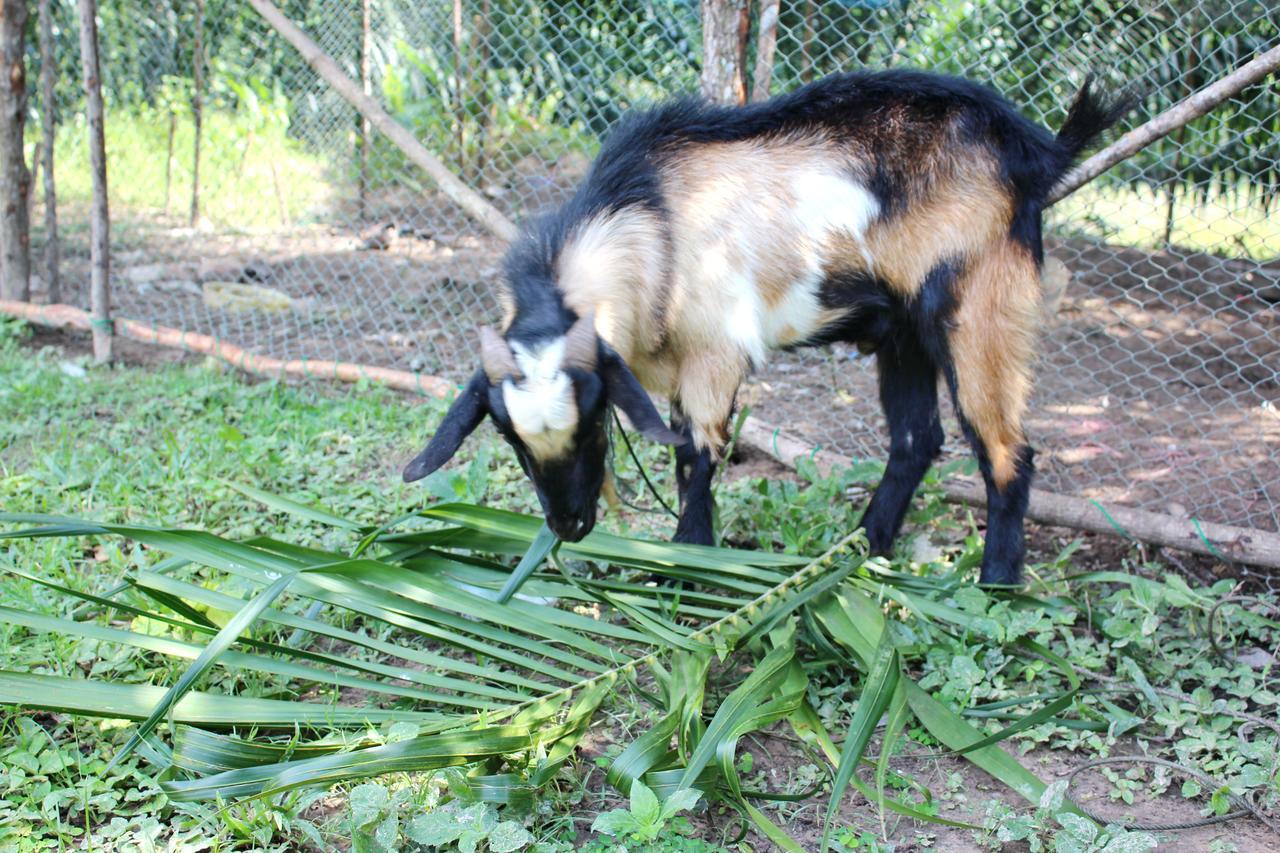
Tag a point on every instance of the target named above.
point(1231, 225)
point(1094, 660)
point(253, 175)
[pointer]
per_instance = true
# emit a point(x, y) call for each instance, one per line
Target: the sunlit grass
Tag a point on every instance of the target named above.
point(251, 175)
point(1232, 225)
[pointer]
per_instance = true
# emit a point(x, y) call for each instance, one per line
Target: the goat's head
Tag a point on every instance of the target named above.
point(550, 401)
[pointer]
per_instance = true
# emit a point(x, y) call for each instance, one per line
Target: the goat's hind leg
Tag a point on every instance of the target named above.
point(991, 346)
point(909, 395)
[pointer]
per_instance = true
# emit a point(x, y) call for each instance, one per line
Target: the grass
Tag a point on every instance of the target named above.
point(158, 445)
point(1231, 225)
point(253, 175)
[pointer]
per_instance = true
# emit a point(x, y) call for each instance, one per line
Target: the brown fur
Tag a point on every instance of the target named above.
point(992, 345)
point(964, 211)
point(672, 330)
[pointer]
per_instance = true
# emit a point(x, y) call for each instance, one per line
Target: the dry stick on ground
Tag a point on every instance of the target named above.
point(1255, 547)
point(100, 225)
point(1179, 114)
point(766, 47)
point(197, 110)
point(466, 198)
point(70, 317)
point(48, 108)
point(15, 275)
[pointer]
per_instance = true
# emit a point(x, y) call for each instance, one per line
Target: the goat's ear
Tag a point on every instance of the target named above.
point(626, 393)
point(459, 422)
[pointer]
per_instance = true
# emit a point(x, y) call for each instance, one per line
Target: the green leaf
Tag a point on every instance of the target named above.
point(618, 823)
point(679, 801)
point(644, 805)
point(435, 828)
point(291, 507)
point(509, 836)
point(135, 701)
point(539, 548)
point(220, 643)
point(877, 692)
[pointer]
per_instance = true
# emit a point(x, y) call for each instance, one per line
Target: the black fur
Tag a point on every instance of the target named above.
point(466, 413)
point(908, 361)
point(695, 470)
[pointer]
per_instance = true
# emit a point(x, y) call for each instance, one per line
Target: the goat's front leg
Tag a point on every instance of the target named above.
point(694, 470)
point(909, 395)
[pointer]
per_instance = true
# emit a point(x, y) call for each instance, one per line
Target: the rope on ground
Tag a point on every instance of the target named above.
point(1243, 806)
point(643, 473)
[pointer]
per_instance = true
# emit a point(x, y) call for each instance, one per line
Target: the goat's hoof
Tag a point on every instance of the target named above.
point(1007, 576)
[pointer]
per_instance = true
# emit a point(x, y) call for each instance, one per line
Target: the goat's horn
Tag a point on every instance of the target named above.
point(496, 357)
point(580, 344)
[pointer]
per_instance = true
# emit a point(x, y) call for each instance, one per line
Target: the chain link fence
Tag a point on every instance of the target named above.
point(308, 236)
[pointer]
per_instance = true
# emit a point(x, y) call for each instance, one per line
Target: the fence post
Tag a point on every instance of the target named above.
point(48, 108)
point(197, 109)
point(14, 177)
point(99, 231)
point(366, 86)
point(723, 75)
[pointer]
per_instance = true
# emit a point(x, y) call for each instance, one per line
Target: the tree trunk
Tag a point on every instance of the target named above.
point(33, 180)
point(48, 106)
point(723, 80)
point(100, 226)
point(197, 110)
point(14, 177)
point(766, 47)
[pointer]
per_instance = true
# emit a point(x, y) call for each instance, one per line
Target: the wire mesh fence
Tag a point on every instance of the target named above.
point(303, 234)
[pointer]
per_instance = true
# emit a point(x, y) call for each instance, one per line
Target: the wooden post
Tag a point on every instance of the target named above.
point(766, 48)
point(723, 80)
point(48, 106)
point(482, 29)
point(806, 41)
point(465, 197)
point(197, 110)
point(99, 225)
point(14, 177)
point(460, 86)
point(366, 86)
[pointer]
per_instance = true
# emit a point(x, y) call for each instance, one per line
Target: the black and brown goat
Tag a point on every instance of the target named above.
point(897, 210)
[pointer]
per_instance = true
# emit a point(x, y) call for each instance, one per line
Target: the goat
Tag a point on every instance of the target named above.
point(897, 210)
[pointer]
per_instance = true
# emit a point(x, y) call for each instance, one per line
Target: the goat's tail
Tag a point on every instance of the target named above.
point(1091, 113)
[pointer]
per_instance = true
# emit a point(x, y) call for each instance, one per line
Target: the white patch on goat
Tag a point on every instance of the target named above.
point(825, 205)
point(541, 406)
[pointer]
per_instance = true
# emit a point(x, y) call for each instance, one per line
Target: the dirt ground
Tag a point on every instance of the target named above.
point(1157, 387)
